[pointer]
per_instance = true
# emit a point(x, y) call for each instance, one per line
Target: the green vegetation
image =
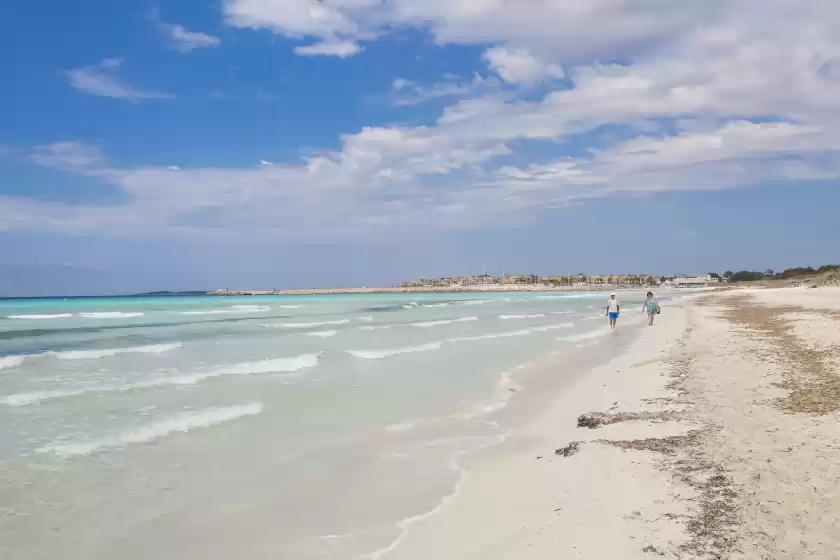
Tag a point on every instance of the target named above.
point(787, 274)
point(746, 276)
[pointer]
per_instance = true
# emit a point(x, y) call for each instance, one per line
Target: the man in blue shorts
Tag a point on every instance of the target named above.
point(612, 310)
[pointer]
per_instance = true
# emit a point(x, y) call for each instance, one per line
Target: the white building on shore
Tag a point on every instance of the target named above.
point(689, 282)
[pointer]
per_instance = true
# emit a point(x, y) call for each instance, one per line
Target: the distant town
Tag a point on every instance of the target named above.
point(828, 275)
point(565, 281)
point(504, 283)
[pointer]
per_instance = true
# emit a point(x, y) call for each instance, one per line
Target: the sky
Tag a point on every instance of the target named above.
point(150, 145)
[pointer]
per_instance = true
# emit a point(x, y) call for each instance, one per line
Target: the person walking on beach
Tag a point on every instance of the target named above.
point(651, 305)
point(612, 310)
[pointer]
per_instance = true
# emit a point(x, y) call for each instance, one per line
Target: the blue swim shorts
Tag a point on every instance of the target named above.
point(613, 315)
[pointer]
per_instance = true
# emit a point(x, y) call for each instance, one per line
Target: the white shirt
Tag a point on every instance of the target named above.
point(613, 305)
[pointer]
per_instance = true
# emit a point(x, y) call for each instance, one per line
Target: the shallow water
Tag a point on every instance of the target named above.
point(258, 427)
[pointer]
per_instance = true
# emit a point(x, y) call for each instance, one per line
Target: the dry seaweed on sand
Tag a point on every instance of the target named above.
point(811, 373)
point(569, 450)
point(713, 528)
point(666, 445)
point(594, 420)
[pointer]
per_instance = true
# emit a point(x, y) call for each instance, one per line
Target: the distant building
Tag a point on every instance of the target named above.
point(689, 282)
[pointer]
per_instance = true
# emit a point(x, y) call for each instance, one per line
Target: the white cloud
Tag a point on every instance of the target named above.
point(710, 95)
point(406, 93)
point(341, 49)
point(186, 41)
point(543, 26)
point(68, 156)
point(101, 80)
point(519, 66)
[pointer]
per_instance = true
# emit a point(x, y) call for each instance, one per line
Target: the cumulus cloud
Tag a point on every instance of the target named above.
point(519, 66)
point(573, 30)
point(712, 95)
point(102, 80)
point(341, 49)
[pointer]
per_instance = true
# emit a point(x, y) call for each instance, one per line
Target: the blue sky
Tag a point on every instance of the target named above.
point(191, 145)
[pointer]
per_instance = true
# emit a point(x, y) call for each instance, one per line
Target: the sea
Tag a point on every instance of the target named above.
point(282, 427)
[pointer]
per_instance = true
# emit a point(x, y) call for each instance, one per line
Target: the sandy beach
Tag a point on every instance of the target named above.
point(713, 434)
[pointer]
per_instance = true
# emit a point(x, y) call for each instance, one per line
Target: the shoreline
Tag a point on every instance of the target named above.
point(674, 448)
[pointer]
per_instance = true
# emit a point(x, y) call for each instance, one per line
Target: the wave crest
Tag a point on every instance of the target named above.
point(181, 424)
point(11, 361)
point(388, 352)
point(96, 354)
point(41, 316)
point(304, 325)
point(427, 324)
point(111, 315)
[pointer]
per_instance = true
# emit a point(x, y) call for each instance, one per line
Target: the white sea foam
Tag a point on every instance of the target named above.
point(585, 336)
point(427, 324)
point(376, 327)
point(96, 354)
point(289, 306)
point(181, 424)
point(11, 361)
point(437, 305)
point(230, 310)
point(402, 427)
point(366, 319)
point(544, 328)
point(321, 334)
point(523, 332)
point(379, 354)
point(23, 399)
point(476, 301)
point(41, 316)
point(562, 312)
point(411, 305)
point(305, 325)
point(532, 316)
point(110, 315)
point(278, 365)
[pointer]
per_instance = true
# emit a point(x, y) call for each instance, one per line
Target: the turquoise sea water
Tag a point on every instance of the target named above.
point(255, 427)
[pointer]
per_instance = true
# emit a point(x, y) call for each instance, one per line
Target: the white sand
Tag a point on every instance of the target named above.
point(778, 472)
point(601, 503)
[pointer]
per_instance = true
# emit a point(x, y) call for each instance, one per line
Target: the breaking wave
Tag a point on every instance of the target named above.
point(96, 354)
point(41, 316)
point(278, 365)
point(388, 352)
point(305, 325)
point(110, 315)
point(181, 424)
point(427, 324)
point(321, 334)
point(523, 332)
point(232, 309)
point(11, 361)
